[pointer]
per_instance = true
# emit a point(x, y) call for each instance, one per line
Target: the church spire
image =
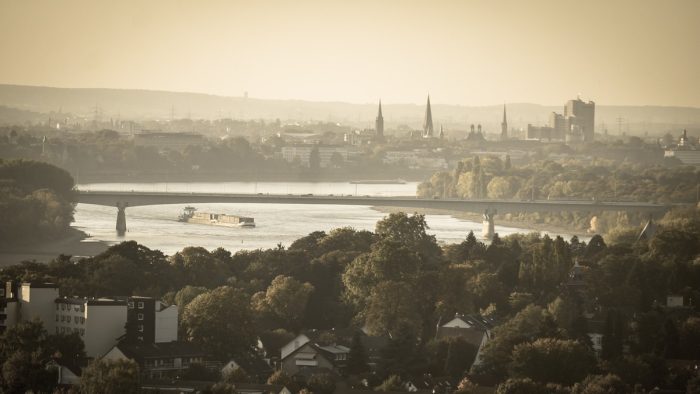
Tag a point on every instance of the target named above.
point(379, 122)
point(428, 123)
point(504, 125)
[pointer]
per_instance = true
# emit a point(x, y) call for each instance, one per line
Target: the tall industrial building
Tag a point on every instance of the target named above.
point(575, 125)
point(581, 117)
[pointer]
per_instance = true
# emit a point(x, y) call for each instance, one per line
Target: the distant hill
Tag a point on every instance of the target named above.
point(149, 104)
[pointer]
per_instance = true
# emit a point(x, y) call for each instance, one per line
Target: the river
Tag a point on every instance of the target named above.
point(156, 226)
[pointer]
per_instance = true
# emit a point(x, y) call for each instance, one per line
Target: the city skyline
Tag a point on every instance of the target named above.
point(464, 53)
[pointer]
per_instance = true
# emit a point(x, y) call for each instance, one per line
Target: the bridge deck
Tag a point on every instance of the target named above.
point(502, 206)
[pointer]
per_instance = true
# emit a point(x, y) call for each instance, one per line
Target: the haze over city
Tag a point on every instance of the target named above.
point(350, 197)
point(462, 52)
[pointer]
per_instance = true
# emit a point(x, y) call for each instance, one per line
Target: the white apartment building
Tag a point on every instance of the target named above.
point(100, 322)
point(28, 301)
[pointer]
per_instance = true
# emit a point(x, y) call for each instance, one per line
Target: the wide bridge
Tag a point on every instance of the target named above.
point(121, 200)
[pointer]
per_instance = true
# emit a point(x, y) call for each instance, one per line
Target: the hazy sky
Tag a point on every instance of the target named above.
point(462, 52)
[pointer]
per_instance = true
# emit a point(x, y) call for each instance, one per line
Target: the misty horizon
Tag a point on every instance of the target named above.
point(464, 53)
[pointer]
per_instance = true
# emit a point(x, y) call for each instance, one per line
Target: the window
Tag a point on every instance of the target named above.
point(82, 319)
point(140, 338)
point(82, 308)
point(131, 304)
point(75, 319)
point(82, 332)
point(76, 308)
point(140, 305)
point(140, 328)
point(56, 306)
point(63, 307)
point(140, 316)
point(63, 330)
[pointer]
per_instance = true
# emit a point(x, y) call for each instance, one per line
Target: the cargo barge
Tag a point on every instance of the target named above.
point(190, 215)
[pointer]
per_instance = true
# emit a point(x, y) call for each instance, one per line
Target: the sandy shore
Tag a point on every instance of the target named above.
point(501, 220)
point(76, 243)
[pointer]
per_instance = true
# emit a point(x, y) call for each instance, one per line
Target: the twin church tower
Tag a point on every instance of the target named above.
point(428, 129)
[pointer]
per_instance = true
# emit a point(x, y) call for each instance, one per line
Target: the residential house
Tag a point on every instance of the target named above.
point(162, 360)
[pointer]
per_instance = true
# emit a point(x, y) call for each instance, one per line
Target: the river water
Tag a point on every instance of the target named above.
point(156, 226)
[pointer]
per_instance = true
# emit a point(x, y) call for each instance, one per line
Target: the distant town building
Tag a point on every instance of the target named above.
point(428, 122)
point(302, 153)
point(163, 141)
point(475, 135)
point(685, 151)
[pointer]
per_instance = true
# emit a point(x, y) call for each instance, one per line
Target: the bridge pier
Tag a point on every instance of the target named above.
point(489, 228)
point(121, 218)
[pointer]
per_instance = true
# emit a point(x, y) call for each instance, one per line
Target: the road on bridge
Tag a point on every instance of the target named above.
point(131, 199)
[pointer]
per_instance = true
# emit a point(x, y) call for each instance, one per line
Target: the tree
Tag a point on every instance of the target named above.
point(599, 384)
point(321, 383)
point(281, 378)
point(23, 371)
point(235, 375)
point(549, 360)
point(315, 159)
point(521, 386)
point(337, 160)
point(110, 377)
point(220, 321)
point(286, 299)
point(357, 358)
point(500, 187)
point(392, 383)
point(529, 323)
point(466, 386)
point(185, 295)
point(200, 267)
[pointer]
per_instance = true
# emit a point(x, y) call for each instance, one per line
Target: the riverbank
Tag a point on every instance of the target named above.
point(502, 220)
point(76, 243)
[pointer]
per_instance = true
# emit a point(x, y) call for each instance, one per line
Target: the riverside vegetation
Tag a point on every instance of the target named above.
point(489, 177)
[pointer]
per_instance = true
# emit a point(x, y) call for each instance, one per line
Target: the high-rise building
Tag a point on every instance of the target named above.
point(504, 125)
point(581, 115)
point(379, 122)
point(428, 123)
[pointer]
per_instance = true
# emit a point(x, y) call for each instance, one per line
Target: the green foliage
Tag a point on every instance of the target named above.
point(36, 201)
point(285, 300)
point(220, 321)
point(281, 378)
point(357, 358)
point(110, 377)
point(601, 384)
point(321, 383)
point(549, 360)
point(26, 348)
point(235, 375)
point(392, 383)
